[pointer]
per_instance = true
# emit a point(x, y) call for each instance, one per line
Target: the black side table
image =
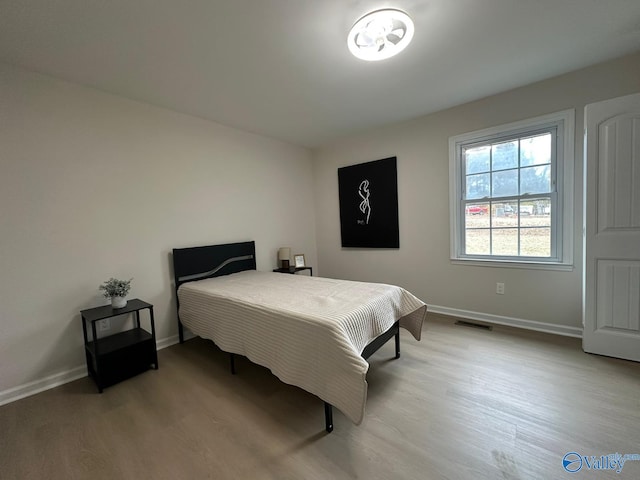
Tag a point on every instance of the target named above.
point(116, 357)
point(293, 270)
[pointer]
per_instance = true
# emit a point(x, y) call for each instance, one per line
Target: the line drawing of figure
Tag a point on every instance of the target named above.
point(363, 191)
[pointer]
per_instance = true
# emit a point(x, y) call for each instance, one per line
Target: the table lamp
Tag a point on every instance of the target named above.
point(284, 254)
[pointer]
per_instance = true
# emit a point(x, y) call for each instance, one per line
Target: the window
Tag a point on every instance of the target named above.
point(512, 193)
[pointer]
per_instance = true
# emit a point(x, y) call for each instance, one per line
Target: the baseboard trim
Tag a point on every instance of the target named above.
point(46, 383)
point(57, 379)
point(167, 342)
point(508, 321)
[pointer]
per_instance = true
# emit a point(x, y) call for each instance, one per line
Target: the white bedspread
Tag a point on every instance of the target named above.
point(309, 331)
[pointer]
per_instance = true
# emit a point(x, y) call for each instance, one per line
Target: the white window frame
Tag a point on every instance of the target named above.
point(563, 218)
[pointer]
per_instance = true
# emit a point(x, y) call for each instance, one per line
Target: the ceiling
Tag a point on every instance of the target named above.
point(281, 68)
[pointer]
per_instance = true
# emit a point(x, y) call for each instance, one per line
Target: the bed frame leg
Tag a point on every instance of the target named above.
point(328, 417)
point(232, 363)
point(180, 332)
point(398, 344)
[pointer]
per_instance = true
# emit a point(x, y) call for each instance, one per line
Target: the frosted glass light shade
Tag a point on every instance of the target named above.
point(380, 34)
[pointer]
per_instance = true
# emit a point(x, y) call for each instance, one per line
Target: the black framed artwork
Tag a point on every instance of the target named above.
point(369, 204)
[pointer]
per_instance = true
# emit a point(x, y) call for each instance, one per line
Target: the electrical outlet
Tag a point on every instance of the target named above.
point(500, 288)
point(104, 325)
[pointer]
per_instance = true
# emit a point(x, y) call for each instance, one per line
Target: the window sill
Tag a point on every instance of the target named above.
point(561, 267)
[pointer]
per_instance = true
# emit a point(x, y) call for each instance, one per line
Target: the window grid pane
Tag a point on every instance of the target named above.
point(518, 224)
point(529, 221)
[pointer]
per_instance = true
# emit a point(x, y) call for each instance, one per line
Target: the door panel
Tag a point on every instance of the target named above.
point(619, 202)
point(618, 295)
point(611, 308)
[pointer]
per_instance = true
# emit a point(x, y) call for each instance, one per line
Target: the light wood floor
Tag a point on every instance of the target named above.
point(461, 404)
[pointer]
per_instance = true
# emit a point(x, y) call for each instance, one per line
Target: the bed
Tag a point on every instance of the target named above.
point(312, 332)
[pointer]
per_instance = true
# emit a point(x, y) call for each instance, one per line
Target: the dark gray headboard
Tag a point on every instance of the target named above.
point(197, 263)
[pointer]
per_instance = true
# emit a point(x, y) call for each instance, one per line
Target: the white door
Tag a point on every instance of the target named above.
point(611, 310)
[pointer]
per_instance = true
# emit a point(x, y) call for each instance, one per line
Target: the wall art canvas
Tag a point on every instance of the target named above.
point(369, 204)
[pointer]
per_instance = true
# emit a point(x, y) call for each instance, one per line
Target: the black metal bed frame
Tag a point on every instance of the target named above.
point(197, 263)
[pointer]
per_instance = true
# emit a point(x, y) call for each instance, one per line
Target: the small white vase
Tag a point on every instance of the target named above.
point(118, 302)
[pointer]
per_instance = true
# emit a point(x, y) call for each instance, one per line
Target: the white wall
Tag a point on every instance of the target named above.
point(93, 185)
point(422, 263)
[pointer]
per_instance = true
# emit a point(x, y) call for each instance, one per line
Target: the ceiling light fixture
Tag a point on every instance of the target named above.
point(380, 34)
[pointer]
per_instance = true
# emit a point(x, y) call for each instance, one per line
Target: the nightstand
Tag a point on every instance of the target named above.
point(293, 270)
point(113, 358)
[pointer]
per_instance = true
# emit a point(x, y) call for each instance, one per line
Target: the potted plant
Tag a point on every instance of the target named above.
point(116, 290)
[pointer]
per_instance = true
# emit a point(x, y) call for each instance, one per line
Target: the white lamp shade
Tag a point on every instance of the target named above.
point(284, 253)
